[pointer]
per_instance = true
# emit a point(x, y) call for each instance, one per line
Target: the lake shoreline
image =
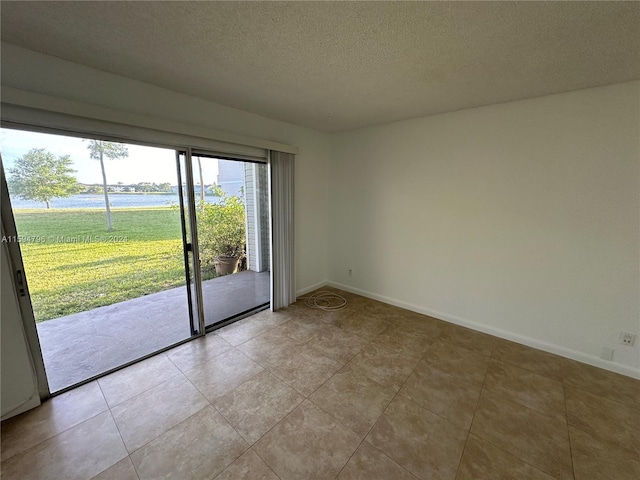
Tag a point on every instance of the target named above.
point(96, 201)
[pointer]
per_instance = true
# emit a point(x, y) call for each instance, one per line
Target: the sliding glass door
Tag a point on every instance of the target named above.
point(232, 219)
point(101, 229)
point(129, 249)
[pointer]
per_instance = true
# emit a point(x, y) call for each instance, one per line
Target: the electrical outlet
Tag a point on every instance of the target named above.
point(627, 338)
point(351, 272)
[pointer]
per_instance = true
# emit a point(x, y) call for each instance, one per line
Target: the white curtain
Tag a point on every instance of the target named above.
point(283, 282)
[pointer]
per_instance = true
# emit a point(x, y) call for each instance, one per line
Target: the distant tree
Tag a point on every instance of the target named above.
point(98, 150)
point(39, 175)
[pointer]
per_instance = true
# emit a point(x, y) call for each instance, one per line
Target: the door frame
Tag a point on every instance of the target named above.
point(20, 278)
point(190, 243)
point(22, 287)
point(197, 321)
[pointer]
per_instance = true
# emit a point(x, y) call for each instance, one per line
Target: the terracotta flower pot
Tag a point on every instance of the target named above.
point(226, 265)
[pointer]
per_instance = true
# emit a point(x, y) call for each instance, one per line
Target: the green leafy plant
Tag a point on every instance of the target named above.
point(39, 175)
point(221, 230)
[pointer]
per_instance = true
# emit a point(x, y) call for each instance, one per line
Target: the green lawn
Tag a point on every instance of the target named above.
point(66, 278)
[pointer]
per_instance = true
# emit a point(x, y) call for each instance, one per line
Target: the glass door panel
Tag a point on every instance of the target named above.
point(190, 241)
point(100, 233)
point(231, 199)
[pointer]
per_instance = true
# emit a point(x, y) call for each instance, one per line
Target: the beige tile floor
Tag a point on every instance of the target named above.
point(368, 392)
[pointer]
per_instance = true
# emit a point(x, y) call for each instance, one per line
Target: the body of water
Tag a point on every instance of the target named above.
point(120, 200)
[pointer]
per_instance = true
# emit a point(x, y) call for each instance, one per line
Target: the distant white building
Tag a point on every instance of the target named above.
point(249, 182)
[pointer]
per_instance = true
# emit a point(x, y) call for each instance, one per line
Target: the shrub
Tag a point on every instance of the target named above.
point(221, 230)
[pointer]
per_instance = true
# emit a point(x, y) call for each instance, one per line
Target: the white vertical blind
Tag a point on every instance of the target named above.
point(283, 284)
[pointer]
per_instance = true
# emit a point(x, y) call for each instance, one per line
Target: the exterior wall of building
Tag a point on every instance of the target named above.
point(257, 215)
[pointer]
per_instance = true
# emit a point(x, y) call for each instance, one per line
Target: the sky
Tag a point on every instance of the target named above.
point(144, 164)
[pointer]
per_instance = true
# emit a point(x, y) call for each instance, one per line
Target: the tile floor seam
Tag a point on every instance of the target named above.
point(377, 449)
point(334, 373)
point(473, 417)
point(66, 430)
point(523, 406)
point(441, 368)
point(119, 433)
point(263, 460)
point(162, 433)
point(602, 440)
point(573, 467)
point(251, 445)
point(394, 397)
point(475, 410)
point(466, 442)
point(427, 409)
point(255, 336)
point(194, 340)
point(363, 438)
point(430, 411)
point(513, 454)
point(144, 391)
point(272, 371)
point(235, 459)
point(56, 434)
point(234, 428)
point(135, 469)
point(535, 467)
point(492, 392)
point(598, 383)
point(529, 371)
point(517, 365)
point(348, 427)
point(199, 391)
point(355, 355)
point(248, 379)
point(607, 399)
point(419, 406)
point(452, 344)
point(482, 388)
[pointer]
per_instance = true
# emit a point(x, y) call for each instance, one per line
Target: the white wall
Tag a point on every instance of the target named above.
point(32, 71)
point(519, 219)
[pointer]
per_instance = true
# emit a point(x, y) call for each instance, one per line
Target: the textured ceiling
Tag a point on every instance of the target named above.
point(335, 66)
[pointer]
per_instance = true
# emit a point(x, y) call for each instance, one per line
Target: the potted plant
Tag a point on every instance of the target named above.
point(222, 235)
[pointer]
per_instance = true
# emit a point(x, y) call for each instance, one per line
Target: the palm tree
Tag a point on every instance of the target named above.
point(98, 150)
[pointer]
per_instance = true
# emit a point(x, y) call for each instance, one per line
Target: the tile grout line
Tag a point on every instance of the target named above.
point(111, 407)
point(566, 412)
point(62, 431)
point(251, 447)
point(475, 410)
point(97, 380)
point(119, 433)
point(376, 422)
point(546, 414)
point(513, 454)
point(262, 459)
point(602, 397)
point(308, 398)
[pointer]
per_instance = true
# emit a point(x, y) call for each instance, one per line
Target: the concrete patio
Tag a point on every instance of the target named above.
point(86, 344)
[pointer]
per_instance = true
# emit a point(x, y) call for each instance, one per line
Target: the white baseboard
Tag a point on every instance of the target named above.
point(497, 332)
point(311, 288)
